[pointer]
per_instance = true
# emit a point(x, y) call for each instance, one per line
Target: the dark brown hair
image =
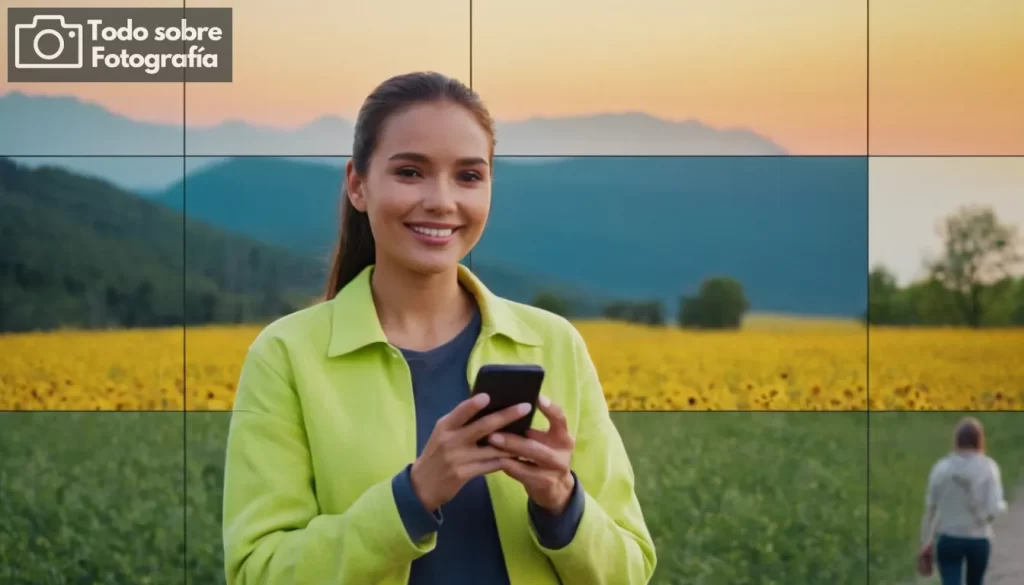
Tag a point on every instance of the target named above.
point(356, 248)
point(969, 434)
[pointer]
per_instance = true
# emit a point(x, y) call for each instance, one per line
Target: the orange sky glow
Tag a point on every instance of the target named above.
point(947, 76)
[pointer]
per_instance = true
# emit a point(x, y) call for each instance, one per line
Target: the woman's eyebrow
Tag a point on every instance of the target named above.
point(410, 156)
point(471, 160)
point(424, 159)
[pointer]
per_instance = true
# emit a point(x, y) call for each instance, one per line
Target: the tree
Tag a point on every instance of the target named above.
point(977, 251)
point(720, 304)
point(650, 312)
point(882, 297)
point(643, 312)
point(272, 303)
point(1017, 311)
point(617, 310)
point(139, 309)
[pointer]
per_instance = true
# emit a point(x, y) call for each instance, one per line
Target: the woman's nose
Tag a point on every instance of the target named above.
point(440, 196)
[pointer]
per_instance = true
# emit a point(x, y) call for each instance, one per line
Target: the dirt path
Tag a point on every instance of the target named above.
point(1008, 548)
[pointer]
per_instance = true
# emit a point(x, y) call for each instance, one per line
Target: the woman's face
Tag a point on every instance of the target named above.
point(428, 187)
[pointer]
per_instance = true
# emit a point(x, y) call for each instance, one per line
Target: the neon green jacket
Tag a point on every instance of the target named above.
point(324, 418)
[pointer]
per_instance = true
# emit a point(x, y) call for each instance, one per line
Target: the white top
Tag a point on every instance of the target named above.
point(964, 496)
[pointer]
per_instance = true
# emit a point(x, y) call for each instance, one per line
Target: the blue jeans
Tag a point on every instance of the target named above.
point(952, 553)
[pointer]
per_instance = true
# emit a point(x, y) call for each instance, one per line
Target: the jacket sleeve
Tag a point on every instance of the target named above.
point(931, 510)
point(612, 544)
point(273, 531)
point(992, 490)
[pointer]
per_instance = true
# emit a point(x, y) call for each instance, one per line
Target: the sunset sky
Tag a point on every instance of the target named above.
point(947, 75)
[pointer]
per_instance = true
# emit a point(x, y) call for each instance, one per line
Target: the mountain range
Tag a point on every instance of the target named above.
point(38, 127)
point(792, 230)
point(83, 252)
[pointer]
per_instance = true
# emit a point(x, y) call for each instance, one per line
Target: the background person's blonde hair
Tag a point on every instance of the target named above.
point(969, 434)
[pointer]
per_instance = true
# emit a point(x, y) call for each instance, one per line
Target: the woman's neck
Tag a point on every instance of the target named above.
point(420, 312)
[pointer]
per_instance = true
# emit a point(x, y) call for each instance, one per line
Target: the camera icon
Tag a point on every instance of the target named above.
point(33, 44)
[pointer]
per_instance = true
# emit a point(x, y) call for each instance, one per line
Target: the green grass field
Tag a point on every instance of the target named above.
point(731, 498)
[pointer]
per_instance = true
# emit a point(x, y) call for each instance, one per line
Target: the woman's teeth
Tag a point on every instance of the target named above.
point(433, 232)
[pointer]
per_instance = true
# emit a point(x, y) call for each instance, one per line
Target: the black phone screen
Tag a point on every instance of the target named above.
point(508, 385)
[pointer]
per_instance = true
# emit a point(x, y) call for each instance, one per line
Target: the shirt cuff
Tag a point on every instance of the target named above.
point(557, 531)
point(417, 520)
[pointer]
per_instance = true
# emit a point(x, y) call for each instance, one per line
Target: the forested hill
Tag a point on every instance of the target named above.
point(82, 252)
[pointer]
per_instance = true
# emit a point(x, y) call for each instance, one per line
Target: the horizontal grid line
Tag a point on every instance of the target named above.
point(611, 411)
point(500, 156)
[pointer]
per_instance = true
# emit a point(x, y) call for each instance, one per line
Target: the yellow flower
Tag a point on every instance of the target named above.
point(771, 364)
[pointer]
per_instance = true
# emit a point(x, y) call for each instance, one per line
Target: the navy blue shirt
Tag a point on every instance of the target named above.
point(468, 549)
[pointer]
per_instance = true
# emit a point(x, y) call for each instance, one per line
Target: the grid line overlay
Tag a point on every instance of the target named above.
point(184, 156)
point(534, 156)
point(184, 309)
point(867, 296)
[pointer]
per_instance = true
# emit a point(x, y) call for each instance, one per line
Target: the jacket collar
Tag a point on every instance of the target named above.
point(355, 324)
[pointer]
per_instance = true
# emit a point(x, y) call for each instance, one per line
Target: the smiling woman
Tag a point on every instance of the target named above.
point(353, 455)
point(419, 173)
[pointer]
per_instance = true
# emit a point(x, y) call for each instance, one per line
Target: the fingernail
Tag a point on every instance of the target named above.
point(545, 402)
point(524, 408)
point(482, 398)
point(497, 439)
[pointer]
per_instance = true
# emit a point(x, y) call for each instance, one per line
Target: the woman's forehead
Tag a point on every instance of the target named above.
point(439, 132)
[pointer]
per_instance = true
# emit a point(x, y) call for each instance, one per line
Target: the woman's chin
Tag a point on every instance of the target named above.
point(430, 264)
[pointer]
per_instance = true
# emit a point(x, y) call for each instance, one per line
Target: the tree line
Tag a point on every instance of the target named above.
point(719, 303)
point(928, 302)
point(970, 283)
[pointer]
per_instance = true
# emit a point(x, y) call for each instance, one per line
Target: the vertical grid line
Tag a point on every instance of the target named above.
point(184, 316)
point(469, 256)
point(471, 44)
point(867, 286)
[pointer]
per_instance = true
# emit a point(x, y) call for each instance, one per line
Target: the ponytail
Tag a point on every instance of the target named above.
point(355, 249)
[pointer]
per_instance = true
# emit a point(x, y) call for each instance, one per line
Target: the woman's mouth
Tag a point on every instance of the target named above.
point(432, 234)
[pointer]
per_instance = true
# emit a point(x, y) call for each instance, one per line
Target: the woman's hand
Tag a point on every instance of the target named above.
point(925, 561)
point(452, 457)
point(546, 476)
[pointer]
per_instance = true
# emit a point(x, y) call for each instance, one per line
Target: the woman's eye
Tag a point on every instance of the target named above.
point(407, 172)
point(471, 176)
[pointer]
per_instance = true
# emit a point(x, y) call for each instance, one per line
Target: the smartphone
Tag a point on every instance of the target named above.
point(508, 385)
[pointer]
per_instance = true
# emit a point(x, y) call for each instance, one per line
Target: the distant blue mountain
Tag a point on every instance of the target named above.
point(793, 230)
point(61, 126)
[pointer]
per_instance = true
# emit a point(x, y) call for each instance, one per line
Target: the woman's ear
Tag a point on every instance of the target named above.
point(354, 187)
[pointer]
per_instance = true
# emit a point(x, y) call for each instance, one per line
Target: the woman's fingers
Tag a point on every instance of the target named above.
point(463, 412)
point(541, 454)
point(475, 453)
point(494, 421)
point(555, 415)
point(484, 466)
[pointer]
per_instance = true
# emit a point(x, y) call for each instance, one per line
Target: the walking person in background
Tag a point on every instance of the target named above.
point(963, 498)
point(352, 457)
